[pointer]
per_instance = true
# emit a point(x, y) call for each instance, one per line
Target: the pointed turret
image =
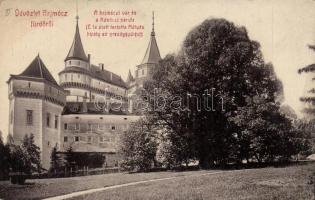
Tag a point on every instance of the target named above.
point(76, 51)
point(130, 77)
point(37, 69)
point(152, 54)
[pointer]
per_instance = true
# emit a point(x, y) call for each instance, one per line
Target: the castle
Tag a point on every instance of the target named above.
point(88, 109)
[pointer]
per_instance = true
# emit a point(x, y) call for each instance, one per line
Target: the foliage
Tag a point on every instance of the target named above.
point(26, 157)
point(244, 121)
point(138, 146)
point(70, 158)
point(4, 159)
point(56, 162)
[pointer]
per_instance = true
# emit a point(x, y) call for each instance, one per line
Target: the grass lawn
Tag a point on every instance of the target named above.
point(267, 183)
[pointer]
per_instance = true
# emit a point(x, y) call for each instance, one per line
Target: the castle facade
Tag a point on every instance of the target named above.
point(87, 110)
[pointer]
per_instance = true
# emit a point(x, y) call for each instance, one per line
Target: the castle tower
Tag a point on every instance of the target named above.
point(75, 77)
point(150, 59)
point(36, 104)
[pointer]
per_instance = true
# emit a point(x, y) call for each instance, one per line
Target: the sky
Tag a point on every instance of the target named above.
point(284, 28)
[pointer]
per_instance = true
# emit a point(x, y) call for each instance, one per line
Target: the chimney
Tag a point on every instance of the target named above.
point(101, 66)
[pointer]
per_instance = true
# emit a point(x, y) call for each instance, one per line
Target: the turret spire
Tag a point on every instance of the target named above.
point(153, 33)
point(152, 54)
point(76, 51)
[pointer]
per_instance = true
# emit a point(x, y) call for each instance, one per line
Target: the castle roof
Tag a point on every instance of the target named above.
point(76, 51)
point(152, 54)
point(100, 74)
point(37, 69)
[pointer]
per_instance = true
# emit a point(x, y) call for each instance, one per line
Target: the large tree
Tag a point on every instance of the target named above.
point(138, 146)
point(206, 93)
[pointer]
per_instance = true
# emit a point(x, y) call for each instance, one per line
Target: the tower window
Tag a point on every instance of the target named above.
point(76, 138)
point(29, 117)
point(78, 75)
point(89, 139)
point(48, 120)
point(71, 77)
point(65, 139)
point(65, 76)
point(113, 127)
point(70, 62)
point(78, 62)
point(29, 84)
point(143, 72)
point(56, 121)
point(65, 126)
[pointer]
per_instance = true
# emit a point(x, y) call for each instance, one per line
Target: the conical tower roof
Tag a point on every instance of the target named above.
point(152, 54)
point(76, 51)
point(37, 69)
point(130, 77)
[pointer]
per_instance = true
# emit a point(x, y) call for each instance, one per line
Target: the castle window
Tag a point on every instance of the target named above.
point(29, 117)
point(56, 121)
point(113, 127)
point(65, 126)
point(65, 139)
point(29, 84)
point(48, 120)
point(89, 139)
point(76, 138)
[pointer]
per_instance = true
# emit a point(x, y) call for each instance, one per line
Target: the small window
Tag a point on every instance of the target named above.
point(65, 126)
point(56, 121)
point(70, 62)
point(76, 138)
point(78, 62)
point(65, 139)
point(48, 120)
point(113, 127)
point(143, 72)
point(71, 77)
point(101, 139)
point(89, 139)
point(77, 126)
point(90, 127)
point(29, 84)
point(78, 75)
point(50, 89)
point(48, 143)
point(65, 76)
point(29, 117)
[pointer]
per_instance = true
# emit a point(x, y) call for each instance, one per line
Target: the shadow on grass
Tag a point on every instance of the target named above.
point(227, 167)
